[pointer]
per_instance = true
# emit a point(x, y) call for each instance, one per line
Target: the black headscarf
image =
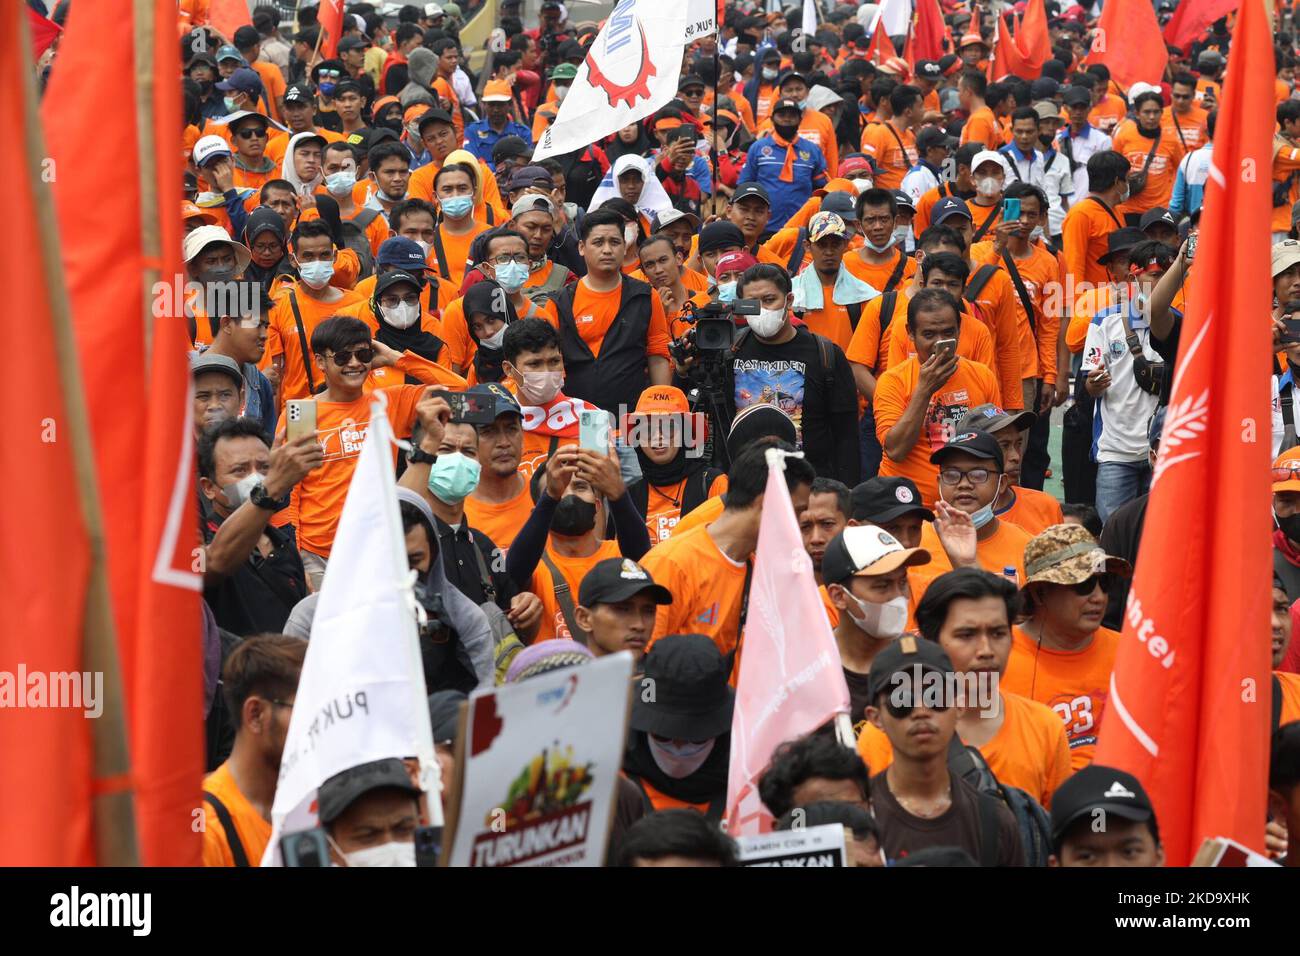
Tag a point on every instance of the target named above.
point(414, 339)
point(488, 298)
point(641, 147)
point(260, 220)
point(706, 785)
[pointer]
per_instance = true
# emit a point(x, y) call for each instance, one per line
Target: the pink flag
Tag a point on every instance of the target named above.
point(791, 681)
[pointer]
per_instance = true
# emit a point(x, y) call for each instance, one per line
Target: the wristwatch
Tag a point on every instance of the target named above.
point(418, 456)
point(261, 499)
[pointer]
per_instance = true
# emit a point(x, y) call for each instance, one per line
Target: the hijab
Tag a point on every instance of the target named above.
point(413, 339)
point(261, 220)
point(481, 298)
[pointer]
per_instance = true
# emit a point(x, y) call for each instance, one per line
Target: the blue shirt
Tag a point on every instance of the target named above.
point(480, 137)
point(763, 164)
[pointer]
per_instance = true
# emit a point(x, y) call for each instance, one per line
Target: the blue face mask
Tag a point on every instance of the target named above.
point(512, 276)
point(340, 184)
point(452, 478)
point(982, 517)
point(455, 207)
point(326, 89)
point(316, 274)
point(727, 292)
point(230, 104)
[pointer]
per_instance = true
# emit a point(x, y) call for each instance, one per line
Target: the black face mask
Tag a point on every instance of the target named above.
point(1290, 526)
point(217, 274)
point(573, 517)
point(787, 133)
point(392, 122)
point(205, 87)
point(1046, 139)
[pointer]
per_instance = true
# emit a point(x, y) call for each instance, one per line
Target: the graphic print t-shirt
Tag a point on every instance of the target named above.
point(775, 375)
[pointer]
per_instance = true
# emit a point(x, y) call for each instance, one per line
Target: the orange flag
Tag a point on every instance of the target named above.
point(1033, 41)
point(927, 31)
point(1189, 707)
point(120, 234)
point(1128, 41)
point(227, 16)
point(45, 808)
point(330, 17)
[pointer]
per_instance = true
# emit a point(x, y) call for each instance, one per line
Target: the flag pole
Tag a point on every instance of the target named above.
point(713, 146)
point(112, 800)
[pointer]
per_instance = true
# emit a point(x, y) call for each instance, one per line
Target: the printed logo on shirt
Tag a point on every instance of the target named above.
point(942, 417)
point(761, 382)
point(709, 616)
point(765, 151)
point(345, 441)
point(1117, 348)
point(584, 318)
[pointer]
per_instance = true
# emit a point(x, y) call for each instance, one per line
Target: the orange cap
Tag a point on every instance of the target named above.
point(497, 91)
point(1286, 470)
point(413, 113)
point(191, 211)
point(971, 38)
point(662, 398)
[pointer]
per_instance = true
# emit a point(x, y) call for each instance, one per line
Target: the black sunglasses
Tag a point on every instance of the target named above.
point(250, 132)
point(363, 354)
point(899, 711)
point(1086, 587)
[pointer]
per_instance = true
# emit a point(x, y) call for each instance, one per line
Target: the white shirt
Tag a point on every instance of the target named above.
point(1091, 141)
point(919, 180)
point(1058, 182)
point(1123, 414)
point(463, 89)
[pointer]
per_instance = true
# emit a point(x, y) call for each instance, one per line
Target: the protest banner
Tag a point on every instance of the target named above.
point(809, 846)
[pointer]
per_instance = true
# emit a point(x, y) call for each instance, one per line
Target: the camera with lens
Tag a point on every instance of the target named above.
point(712, 328)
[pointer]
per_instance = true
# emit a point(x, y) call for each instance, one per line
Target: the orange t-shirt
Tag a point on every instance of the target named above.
point(664, 509)
point(832, 319)
point(573, 570)
point(421, 187)
point(1038, 271)
point(1160, 174)
point(1029, 750)
point(982, 127)
point(461, 347)
point(1075, 684)
point(970, 385)
point(251, 179)
point(253, 829)
point(1083, 241)
point(707, 512)
point(282, 339)
point(500, 521)
point(1032, 510)
point(881, 142)
point(925, 205)
point(276, 145)
point(706, 585)
point(1107, 114)
point(1281, 90)
point(973, 342)
point(457, 252)
point(1290, 696)
point(317, 500)
point(1193, 127)
point(877, 276)
point(594, 314)
point(1286, 160)
point(1004, 548)
point(274, 84)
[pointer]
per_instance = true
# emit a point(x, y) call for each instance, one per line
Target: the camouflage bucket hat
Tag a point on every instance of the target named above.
point(1069, 554)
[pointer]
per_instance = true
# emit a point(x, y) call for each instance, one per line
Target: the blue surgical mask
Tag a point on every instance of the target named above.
point(316, 274)
point(341, 183)
point(452, 478)
point(230, 104)
point(454, 207)
point(984, 515)
point(512, 276)
point(727, 292)
point(326, 89)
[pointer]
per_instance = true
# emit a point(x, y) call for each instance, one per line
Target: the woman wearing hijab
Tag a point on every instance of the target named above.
point(397, 310)
point(488, 311)
point(629, 141)
point(264, 236)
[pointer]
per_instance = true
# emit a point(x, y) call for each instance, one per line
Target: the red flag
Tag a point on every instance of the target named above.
point(882, 48)
point(121, 235)
point(45, 810)
point(1189, 707)
point(1005, 60)
point(44, 32)
point(790, 679)
point(1193, 17)
point(227, 16)
point(1032, 39)
point(928, 31)
point(1129, 43)
point(330, 18)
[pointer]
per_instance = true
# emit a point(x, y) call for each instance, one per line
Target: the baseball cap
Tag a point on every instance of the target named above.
point(1284, 479)
point(204, 236)
point(209, 361)
point(1210, 58)
point(498, 398)
point(1285, 253)
point(229, 52)
point(946, 208)
point(903, 200)
point(929, 69)
point(617, 579)
point(867, 550)
point(401, 252)
point(243, 80)
point(931, 137)
point(692, 699)
point(352, 43)
point(496, 91)
point(508, 147)
point(531, 202)
point(1155, 215)
point(880, 499)
point(1068, 554)
point(662, 398)
point(974, 443)
point(299, 93)
point(902, 657)
point(565, 71)
point(208, 148)
point(690, 79)
point(670, 216)
point(1046, 109)
point(201, 57)
point(343, 789)
point(396, 277)
point(1077, 96)
point(191, 211)
point(1098, 788)
point(745, 190)
point(786, 104)
point(989, 156)
point(841, 204)
point(720, 235)
point(990, 418)
point(1043, 88)
point(433, 10)
point(1122, 240)
point(825, 224)
point(435, 116)
point(854, 164)
point(526, 177)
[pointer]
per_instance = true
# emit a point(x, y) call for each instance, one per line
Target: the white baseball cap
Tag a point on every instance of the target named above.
point(208, 148)
point(989, 156)
point(867, 550)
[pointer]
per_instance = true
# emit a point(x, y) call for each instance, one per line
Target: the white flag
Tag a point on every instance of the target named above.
point(809, 17)
point(630, 71)
point(896, 15)
point(361, 696)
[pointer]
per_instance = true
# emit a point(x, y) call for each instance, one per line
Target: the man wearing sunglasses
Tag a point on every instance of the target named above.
point(917, 801)
point(249, 135)
point(1062, 656)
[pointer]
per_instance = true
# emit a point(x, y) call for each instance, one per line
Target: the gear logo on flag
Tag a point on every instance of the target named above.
point(638, 87)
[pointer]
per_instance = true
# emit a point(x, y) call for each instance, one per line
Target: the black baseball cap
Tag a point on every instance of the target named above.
point(868, 550)
point(991, 418)
point(930, 137)
point(1098, 788)
point(974, 443)
point(299, 93)
point(1121, 240)
point(352, 43)
point(901, 657)
point(343, 789)
point(881, 499)
point(1155, 215)
point(509, 147)
point(786, 104)
point(690, 79)
point(745, 190)
point(396, 277)
point(903, 200)
point(617, 579)
point(791, 75)
point(1077, 96)
point(841, 204)
point(434, 116)
point(692, 698)
point(721, 235)
point(502, 402)
point(947, 207)
point(929, 69)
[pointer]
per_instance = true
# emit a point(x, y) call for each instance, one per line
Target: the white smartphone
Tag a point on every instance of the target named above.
point(945, 345)
point(593, 431)
point(300, 418)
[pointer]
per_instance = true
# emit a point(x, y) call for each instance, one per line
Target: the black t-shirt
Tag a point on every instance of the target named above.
point(902, 833)
point(1121, 537)
point(463, 569)
point(858, 695)
point(822, 403)
point(258, 597)
point(1167, 349)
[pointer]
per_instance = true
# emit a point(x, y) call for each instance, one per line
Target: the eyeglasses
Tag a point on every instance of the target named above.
point(504, 260)
point(363, 354)
point(1085, 588)
point(251, 132)
point(1287, 471)
point(393, 302)
point(953, 476)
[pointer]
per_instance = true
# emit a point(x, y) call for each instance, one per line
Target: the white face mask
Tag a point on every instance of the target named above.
point(901, 235)
point(238, 492)
point(681, 760)
point(560, 93)
point(862, 185)
point(630, 233)
point(494, 340)
point(767, 323)
point(424, 247)
point(401, 316)
point(886, 621)
point(538, 388)
point(988, 186)
point(1037, 234)
point(386, 854)
point(884, 246)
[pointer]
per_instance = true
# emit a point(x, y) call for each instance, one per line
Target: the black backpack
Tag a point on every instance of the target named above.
point(1031, 819)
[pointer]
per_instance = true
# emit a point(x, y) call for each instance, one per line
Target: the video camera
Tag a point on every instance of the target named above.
point(712, 328)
